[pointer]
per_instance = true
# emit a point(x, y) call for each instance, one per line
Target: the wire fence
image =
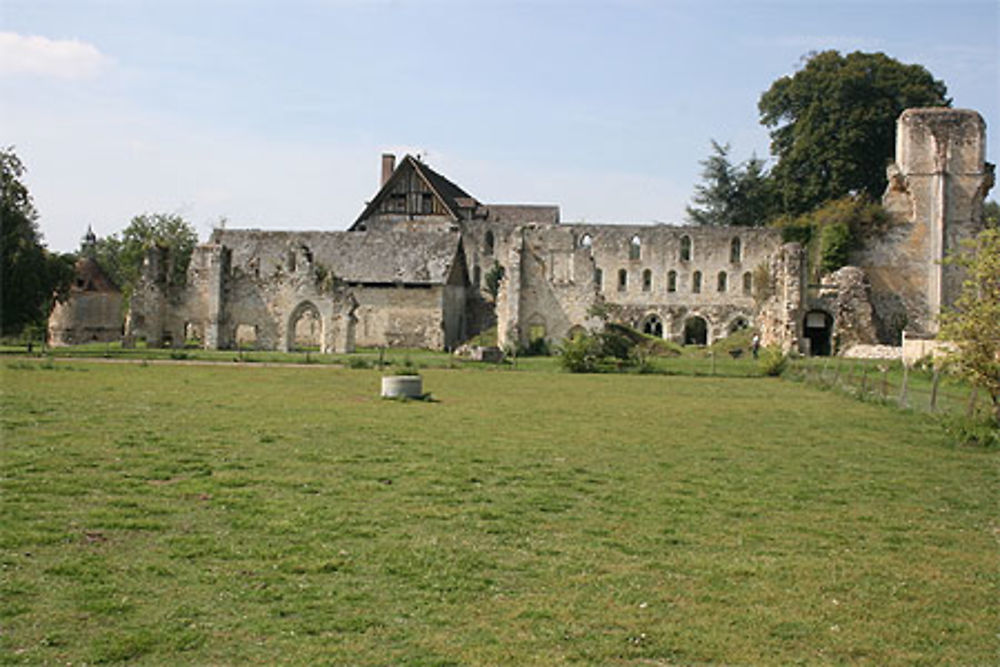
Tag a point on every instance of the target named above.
point(893, 383)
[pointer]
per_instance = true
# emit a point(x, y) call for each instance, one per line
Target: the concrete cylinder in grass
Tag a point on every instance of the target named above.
point(402, 386)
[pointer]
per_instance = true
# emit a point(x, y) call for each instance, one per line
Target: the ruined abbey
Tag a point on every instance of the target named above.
point(426, 264)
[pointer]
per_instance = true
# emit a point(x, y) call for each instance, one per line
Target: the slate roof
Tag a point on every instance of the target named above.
point(90, 277)
point(448, 191)
point(411, 257)
point(520, 214)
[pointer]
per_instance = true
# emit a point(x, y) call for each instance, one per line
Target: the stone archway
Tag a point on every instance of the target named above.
point(305, 328)
point(652, 325)
point(817, 328)
point(695, 330)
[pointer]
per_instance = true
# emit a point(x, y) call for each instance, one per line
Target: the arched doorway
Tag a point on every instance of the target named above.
point(817, 328)
point(652, 325)
point(738, 324)
point(695, 331)
point(305, 328)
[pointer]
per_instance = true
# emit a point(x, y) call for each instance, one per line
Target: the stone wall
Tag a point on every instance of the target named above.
point(935, 194)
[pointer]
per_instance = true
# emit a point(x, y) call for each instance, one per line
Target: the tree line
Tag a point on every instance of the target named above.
point(32, 277)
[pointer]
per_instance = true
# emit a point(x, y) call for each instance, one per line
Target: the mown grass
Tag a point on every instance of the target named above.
point(234, 514)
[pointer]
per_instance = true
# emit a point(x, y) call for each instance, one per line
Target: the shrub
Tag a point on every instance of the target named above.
point(581, 354)
point(772, 362)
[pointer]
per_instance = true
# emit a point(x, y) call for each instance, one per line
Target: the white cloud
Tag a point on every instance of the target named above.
point(41, 56)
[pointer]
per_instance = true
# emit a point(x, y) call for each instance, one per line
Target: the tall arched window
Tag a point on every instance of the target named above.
point(488, 244)
point(647, 280)
point(735, 250)
point(622, 280)
point(696, 282)
point(672, 281)
point(685, 248)
point(747, 283)
point(723, 282)
point(599, 278)
point(635, 248)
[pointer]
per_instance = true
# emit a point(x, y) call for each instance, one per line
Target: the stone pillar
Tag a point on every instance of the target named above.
point(937, 186)
point(508, 306)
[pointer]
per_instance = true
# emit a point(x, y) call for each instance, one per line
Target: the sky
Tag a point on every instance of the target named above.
point(274, 115)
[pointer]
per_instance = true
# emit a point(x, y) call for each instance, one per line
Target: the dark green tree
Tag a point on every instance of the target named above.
point(833, 124)
point(991, 215)
point(739, 194)
point(31, 276)
point(121, 256)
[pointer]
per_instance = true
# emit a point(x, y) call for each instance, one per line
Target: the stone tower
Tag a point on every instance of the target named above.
point(935, 193)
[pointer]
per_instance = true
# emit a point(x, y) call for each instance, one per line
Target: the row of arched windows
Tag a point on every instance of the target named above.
point(721, 281)
point(685, 253)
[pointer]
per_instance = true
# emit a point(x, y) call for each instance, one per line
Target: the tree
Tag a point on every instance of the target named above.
point(121, 257)
point(830, 232)
point(991, 215)
point(973, 325)
point(731, 194)
point(833, 124)
point(31, 276)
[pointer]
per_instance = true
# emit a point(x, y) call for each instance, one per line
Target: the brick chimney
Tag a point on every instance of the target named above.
point(388, 166)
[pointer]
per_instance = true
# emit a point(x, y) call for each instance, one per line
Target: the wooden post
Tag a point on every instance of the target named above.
point(864, 380)
point(934, 389)
point(885, 382)
point(970, 409)
point(902, 389)
point(836, 374)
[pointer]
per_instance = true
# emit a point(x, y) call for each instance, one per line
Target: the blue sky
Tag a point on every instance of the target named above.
point(274, 114)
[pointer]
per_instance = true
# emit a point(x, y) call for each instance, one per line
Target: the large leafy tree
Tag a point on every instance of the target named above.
point(121, 256)
point(833, 124)
point(731, 194)
point(31, 276)
point(974, 323)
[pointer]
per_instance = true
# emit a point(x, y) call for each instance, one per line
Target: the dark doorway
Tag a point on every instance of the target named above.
point(695, 331)
point(817, 328)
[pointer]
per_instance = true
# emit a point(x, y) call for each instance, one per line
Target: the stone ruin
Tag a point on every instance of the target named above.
point(422, 267)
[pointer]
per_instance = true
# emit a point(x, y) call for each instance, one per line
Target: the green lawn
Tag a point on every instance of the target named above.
point(236, 514)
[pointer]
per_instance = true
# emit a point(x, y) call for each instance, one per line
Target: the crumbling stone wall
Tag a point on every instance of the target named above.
point(935, 194)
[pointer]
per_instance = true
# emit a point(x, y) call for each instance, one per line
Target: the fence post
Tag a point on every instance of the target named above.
point(712, 355)
point(902, 389)
point(934, 389)
point(970, 410)
point(885, 382)
point(864, 381)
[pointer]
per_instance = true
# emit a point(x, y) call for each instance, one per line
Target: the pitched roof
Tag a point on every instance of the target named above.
point(451, 195)
point(90, 277)
point(411, 257)
point(520, 214)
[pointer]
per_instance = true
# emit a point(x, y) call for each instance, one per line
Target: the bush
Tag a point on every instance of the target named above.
point(983, 433)
point(772, 362)
point(581, 354)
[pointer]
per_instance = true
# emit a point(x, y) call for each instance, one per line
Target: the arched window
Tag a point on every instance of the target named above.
point(599, 278)
point(685, 248)
point(735, 250)
point(635, 248)
point(672, 281)
point(723, 282)
point(488, 243)
point(586, 241)
point(647, 280)
point(696, 282)
point(622, 280)
point(747, 283)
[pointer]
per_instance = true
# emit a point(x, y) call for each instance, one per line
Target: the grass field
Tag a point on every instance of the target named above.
point(237, 514)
